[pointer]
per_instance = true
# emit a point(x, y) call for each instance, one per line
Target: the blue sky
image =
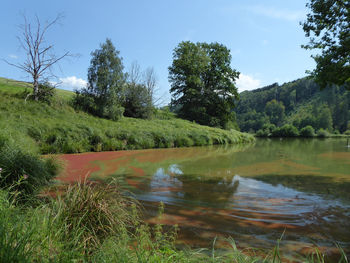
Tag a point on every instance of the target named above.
point(264, 36)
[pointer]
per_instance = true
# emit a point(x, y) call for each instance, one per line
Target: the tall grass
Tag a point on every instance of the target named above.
point(23, 173)
point(95, 212)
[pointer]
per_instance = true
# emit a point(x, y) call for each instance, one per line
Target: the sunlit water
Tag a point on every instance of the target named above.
point(252, 193)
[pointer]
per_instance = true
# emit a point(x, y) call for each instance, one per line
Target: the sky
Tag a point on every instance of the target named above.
point(264, 37)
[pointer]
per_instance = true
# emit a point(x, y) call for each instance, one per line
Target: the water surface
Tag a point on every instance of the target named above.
point(252, 193)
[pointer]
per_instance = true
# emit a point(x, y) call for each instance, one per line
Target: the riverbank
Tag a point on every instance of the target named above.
point(58, 128)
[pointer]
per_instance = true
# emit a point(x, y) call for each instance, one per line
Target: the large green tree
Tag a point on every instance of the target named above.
point(203, 83)
point(104, 94)
point(328, 27)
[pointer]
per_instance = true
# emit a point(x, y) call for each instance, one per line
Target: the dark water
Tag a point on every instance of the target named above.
point(252, 193)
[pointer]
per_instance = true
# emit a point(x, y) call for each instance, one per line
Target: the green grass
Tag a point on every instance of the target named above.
point(58, 128)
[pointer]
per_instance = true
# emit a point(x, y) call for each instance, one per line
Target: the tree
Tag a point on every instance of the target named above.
point(40, 55)
point(104, 94)
point(138, 101)
point(327, 26)
point(138, 92)
point(203, 83)
point(324, 119)
point(150, 82)
point(275, 111)
point(147, 78)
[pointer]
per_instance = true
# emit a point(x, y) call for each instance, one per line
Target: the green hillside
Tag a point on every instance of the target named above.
point(299, 103)
point(58, 128)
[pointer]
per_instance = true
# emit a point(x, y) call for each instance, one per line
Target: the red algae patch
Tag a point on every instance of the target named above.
point(80, 166)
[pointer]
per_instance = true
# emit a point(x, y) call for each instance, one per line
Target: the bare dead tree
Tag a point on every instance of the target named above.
point(150, 81)
point(135, 73)
point(40, 55)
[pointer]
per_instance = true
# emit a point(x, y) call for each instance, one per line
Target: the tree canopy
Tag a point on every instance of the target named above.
point(328, 27)
point(104, 94)
point(203, 83)
point(300, 103)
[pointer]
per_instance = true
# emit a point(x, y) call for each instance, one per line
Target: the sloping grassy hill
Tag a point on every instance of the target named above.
point(58, 128)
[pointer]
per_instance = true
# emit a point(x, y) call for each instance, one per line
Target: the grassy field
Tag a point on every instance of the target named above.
point(58, 128)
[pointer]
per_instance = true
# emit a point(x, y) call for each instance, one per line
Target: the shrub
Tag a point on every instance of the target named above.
point(83, 101)
point(46, 92)
point(22, 173)
point(113, 112)
point(164, 113)
point(347, 132)
point(307, 131)
point(322, 133)
point(262, 133)
point(266, 130)
point(286, 130)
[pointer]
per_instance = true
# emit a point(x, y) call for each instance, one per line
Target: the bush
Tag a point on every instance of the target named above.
point(22, 173)
point(307, 131)
point(322, 133)
point(347, 132)
point(46, 92)
point(262, 133)
point(266, 130)
point(163, 113)
point(84, 101)
point(286, 130)
point(113, 112)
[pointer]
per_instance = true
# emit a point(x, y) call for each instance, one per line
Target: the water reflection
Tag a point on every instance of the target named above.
point(172, 186)
point(252, 193)
point(249, 210)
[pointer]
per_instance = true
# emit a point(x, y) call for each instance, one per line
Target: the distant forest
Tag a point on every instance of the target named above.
point(299, 103)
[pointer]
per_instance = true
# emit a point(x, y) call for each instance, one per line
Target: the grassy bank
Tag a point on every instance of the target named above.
point(58, 128)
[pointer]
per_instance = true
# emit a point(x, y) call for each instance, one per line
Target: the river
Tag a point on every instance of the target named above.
point(297, 189)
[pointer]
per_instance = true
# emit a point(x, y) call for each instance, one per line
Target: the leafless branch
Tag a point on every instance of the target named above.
point(40, 57)
point(134, 74)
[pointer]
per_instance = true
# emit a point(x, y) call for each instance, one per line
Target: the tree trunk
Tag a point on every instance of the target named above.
point(35, 89)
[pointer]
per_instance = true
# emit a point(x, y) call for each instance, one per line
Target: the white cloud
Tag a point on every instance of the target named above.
point(72, 83)
point(247, 82)
point(271, 12)
point(13, 56)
